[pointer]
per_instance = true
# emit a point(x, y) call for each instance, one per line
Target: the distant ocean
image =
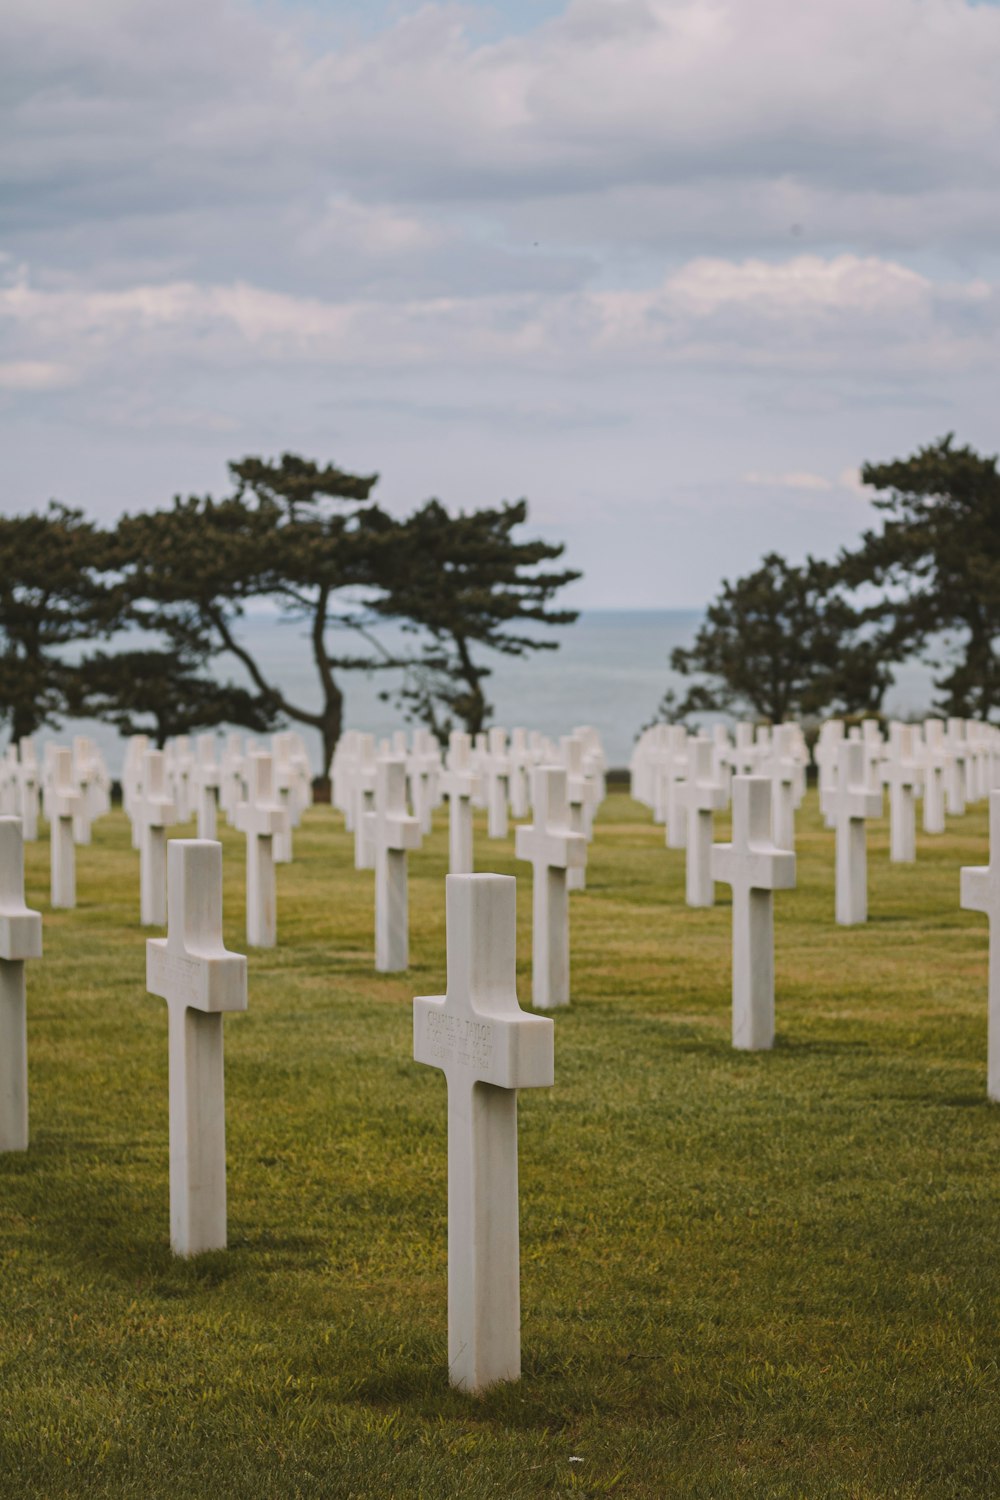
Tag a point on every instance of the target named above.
point(611, 670)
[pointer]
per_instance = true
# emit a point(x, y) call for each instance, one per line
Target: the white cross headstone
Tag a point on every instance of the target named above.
point(488, 1048)
point(825, 756)
point(553, 849)
point(138, 744)
point(29, 790)
point(155, 811)
point(519, 757)
point(20, 938)
point(782, 768)
point(955, 776)
point(394, 833)
point(206, 779)
point(980, 891)
point(181, 768)
point(262, 818)
point(851, 802)
point(497, 773)
point(934, 758)
point(425, 770)
point(460, 784)
point(84, 771)
point(901, 773)
point(705, 796)
point(743, 756)
point(578, 796)
point(363, 793)
point(675, 768)
point(755, 868)
point(63, 805)
point(191, 969)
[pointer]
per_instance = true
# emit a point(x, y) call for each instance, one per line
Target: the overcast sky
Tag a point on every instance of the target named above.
point(672, 269)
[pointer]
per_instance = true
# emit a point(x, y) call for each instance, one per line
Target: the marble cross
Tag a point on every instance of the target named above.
point(84, 771)
point(956, 776)
point(704, 796)
point(935, 760)
point(851, 802)
point(675, 768)
point(262, 818)
point(496, 770)
point(460, 784)
point(519, 757)
point(206, 779)
point(901, 774)
point(29, 789)
point(155, 811)
point(20, 938)
point(755, 868)
point(577, 799)
point(200, 980)
point(63, 806)
point(980, 891)
point(363, 795)
point(488, 1048)
point(181, 766)
point(132, 780)
point(743, 756)
point(424, 764)
point(825, 756)
point(553, 849)
point(285, 784)
point(394, 834)
point(782, 768)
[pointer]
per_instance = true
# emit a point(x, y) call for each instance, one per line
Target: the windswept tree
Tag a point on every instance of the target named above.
point(302, 536)
point(783, 641)
point(162, 694)
point(312, 542)
point(56, 596)
point(936, 560)
point(467, 582)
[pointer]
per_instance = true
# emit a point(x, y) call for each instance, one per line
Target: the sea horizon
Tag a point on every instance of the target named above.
point(610, 670)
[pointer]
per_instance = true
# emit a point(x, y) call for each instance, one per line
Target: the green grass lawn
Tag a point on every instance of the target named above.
point(774, 1274)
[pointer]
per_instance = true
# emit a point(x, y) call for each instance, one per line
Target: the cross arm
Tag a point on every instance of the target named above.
point(511, 1052)
point(200, 981)
point(976, 888)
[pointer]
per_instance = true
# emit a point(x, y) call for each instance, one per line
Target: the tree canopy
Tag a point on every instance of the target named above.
point(311, 542)
point(56, 595)
point(465, 581)
point(783, 641)
point(936, 559)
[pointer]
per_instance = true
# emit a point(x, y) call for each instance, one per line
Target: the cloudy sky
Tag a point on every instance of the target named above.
point(672, 269)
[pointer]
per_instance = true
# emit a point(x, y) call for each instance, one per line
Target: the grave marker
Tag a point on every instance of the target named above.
point(851, 802)
point(63, 805)
point(460, 784)
point(755, 868)
point(553, 849)
point(155, 811)
point(394, 834)
point(901, 773)
point(980, 891)
point(487, 1048)
point(262, 818)
point(705, 796)
point(20, 939)
point(200, 980)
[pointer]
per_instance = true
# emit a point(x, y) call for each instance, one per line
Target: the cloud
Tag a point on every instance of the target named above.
point(645, 123)
point(33, 375)
point(804, 314)
point(798, 480)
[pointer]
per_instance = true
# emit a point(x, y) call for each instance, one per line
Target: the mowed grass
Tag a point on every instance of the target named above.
point(742, 1275)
